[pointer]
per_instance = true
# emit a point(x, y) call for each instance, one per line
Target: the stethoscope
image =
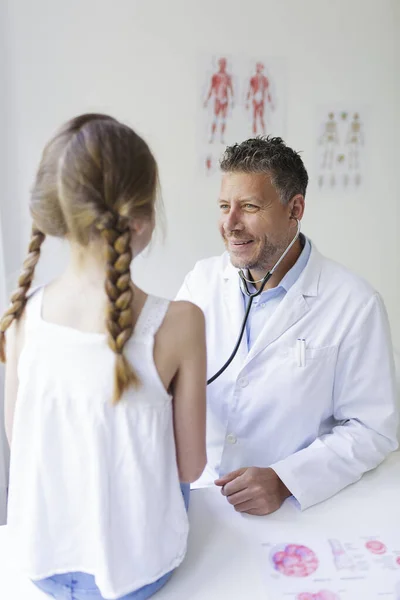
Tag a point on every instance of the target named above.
point(251, 295)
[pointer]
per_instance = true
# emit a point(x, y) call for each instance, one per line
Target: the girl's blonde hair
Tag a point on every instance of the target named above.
point(95, 175)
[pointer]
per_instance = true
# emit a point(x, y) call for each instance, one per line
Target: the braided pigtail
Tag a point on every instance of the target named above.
point(19, 297)
point(116, 233)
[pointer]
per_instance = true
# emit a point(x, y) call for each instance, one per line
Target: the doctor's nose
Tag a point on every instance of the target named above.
point(232, 222)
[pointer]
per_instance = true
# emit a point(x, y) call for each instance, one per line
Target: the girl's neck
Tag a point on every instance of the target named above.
point(87, 265)
point(87, 270)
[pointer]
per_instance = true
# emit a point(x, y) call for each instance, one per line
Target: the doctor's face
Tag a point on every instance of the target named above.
point(255, 226)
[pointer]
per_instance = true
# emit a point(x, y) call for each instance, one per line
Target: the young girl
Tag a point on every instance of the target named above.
point(105, 385)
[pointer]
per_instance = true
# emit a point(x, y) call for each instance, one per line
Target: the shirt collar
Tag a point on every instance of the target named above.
point(294, 273)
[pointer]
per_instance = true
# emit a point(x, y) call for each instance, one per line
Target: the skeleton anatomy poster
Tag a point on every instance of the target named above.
point(340, 149)
point(238, 98)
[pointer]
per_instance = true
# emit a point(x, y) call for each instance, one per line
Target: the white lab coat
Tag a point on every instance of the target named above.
point(319, 426)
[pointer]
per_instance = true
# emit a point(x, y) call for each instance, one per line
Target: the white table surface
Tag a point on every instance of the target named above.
point(223, 558)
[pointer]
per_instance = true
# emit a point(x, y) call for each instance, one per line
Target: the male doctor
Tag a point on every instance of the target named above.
point(308, 404)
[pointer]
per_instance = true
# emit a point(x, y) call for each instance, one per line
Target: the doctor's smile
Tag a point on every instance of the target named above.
point(239, 247)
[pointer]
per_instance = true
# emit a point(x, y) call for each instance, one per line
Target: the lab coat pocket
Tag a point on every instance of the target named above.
point(310, 378)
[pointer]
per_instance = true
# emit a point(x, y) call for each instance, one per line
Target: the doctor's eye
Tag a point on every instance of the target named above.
point(224, 207)
point(250, 206)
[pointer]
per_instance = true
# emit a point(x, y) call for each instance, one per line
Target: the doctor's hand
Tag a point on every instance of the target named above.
point(253, 490)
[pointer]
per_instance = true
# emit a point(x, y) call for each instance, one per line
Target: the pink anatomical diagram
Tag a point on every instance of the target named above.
point(221, 90)
point(259, 94)
point(295, 560)
point(322, 595)
point(398, 560)
point(376, 547)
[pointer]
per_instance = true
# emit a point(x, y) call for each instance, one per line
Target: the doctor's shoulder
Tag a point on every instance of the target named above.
point(203, 280)
point(348, 294)
point(348, 284)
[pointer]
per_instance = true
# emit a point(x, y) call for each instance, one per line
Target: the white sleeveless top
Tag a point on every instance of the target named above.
point(93, 487)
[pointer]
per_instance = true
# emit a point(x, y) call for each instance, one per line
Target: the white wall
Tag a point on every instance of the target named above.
point(137, 60)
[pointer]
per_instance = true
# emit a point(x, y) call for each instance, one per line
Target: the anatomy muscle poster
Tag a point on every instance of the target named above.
point(238, 98)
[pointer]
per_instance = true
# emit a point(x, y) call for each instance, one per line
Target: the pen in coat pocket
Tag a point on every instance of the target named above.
point(301, 352)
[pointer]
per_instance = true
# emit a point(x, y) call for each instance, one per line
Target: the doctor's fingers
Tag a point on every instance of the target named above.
point(236, 485)
point(224, 479)
point(258, 506)
point(240, 497)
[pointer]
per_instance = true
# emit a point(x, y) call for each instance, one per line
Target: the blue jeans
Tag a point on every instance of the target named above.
point(81, 586)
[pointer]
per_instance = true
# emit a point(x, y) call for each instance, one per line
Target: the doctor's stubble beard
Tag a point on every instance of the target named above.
point(266, 257)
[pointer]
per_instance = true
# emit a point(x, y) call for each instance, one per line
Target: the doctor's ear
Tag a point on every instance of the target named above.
point(296, 207)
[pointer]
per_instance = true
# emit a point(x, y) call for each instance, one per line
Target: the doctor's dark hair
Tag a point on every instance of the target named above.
point(95, 176)
point(271, 156)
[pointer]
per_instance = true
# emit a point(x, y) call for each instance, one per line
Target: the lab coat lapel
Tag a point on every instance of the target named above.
point(292, 308)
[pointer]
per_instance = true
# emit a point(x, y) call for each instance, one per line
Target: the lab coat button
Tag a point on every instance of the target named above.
point(243, 382)
point(230, 438)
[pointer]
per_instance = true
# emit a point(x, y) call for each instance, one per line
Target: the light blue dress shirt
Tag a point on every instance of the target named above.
point(266, 303)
